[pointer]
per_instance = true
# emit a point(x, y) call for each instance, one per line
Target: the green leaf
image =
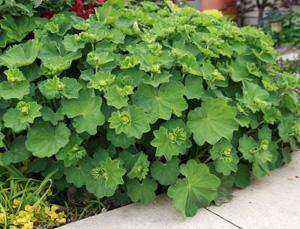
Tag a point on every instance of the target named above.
point(196, 190)
point(77, 175)
point(143, 192)
point(20, 55)
point(163, 102)
point(258, 153)
point(104, 177)
point(14, 90)
point(14, 75)
point(225, 157)
point(72, 152)
point(214, 120)
point(140, 167)
point(116, 36)
point(100, 81)
point(285, 127)
point(132, 121)
point(255, 97)
point(225, 190)
point(118, 96)
point(165, 173)
point(243, 175)
point(189, 63)
point(1, 139)
point(48, 115)
point(239, 71)
point(16, 28)
point(96, 59)
point(119, 140)
point(73, 43)
point(17, 152)
point(170, 142)
point(155, 79)
point(55, 88)
point(265, 133)
point(20, 117)
point(45, 140)
point(246, 146)
point(11, 120)
point(85, 111)
point(55, 58)
point(193, 87)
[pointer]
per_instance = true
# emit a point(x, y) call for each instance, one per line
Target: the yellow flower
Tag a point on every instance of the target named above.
point(51, 213)
point(23, 217)
point(16, 203)
point(213, 12)
point(28, 225)
point(54, 208)
point(28, 208)
point(37, 209)
point(61, 221)
point(2, 218)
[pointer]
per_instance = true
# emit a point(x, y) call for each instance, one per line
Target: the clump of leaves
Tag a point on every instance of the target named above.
point(140, 99)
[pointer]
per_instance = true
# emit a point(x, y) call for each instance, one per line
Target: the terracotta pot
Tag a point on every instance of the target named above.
point(228, 7)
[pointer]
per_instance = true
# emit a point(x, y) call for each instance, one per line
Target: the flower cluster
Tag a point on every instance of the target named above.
point(25, 217)
point(55, 215)
point(84, 10)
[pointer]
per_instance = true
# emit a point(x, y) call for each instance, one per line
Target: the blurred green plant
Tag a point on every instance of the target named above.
point(290, 34)
point(24, 202)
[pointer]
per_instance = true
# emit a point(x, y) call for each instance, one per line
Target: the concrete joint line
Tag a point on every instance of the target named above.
point(227, 220)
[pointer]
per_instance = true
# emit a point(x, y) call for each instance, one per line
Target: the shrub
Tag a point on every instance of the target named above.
point(139, 100)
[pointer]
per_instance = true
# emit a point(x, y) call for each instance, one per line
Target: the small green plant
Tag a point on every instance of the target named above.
point(24, 202)
point(141, 99)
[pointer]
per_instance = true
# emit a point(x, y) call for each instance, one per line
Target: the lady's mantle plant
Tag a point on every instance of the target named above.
point(138, 100)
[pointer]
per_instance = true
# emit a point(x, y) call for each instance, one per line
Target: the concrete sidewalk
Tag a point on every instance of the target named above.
point(271, 202)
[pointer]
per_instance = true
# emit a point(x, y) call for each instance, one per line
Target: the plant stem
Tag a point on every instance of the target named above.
point(208, 159)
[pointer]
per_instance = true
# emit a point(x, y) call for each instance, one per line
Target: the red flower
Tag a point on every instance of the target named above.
point(83, 10)
point(78, 7)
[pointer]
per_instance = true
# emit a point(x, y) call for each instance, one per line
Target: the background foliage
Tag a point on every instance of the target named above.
point(139, 100)
point(289, 36)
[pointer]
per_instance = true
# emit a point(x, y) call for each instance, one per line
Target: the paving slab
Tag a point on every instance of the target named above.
point(271, 202)
point(290, 55)
point(157, 215)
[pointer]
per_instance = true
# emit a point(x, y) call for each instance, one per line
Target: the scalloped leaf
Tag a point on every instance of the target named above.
point(45, 140)
point(214, 120)
point(56, 88)
point(143, 191)
point(20, 55)
point(170, 142)
point(132, 121)
point(196, 190)
point(85, 111)
point(163, 102)
point(165, 173)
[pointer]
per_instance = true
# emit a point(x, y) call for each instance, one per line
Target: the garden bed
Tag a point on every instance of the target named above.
point(106, 105)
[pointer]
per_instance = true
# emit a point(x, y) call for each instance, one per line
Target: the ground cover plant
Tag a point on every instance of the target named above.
point(139, 100)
